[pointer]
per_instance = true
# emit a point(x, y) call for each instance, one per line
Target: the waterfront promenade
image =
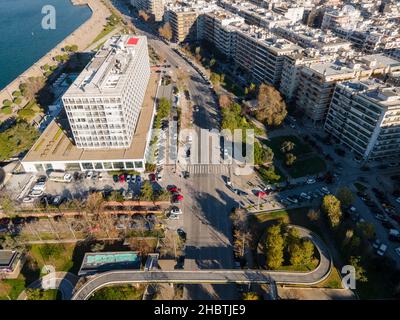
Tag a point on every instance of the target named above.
point(82, 37)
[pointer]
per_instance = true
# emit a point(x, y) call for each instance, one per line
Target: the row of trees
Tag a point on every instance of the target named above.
point(283, 240)
point(352, 241)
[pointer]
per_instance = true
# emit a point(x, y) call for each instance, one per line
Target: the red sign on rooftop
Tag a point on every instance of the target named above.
point(133, 41)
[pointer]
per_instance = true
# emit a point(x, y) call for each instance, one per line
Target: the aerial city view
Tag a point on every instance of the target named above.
point(200, 150)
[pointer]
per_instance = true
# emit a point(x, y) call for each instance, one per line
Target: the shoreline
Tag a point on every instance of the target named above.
point(82, 37)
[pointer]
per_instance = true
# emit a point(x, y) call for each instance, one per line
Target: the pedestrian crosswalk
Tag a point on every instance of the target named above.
point(204, 169)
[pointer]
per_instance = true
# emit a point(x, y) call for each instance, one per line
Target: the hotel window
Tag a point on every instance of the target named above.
point(87, 166)
point(118, 165)
point(138, 164)
point(98, 166)
point(107, 165)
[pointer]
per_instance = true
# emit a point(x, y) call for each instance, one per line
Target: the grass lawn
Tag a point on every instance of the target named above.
point(300, 147)
point(58, 255)
point(125, 292)
point(50, 294)
point(311, 166)
point(11, 288)
point(334, 281)
point(107, 29)
point(307, 162)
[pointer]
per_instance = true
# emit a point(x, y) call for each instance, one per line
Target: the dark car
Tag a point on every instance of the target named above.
point(394, 238)
point(115, 178)
point(186, 174)
point(31, 219)
point(18, 220)
point(387, 225)
point(42, 179)
point(181, 234)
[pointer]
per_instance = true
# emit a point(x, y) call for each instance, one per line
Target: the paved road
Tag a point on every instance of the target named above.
point(215, 276)
point(207, 205)
point(63, 281)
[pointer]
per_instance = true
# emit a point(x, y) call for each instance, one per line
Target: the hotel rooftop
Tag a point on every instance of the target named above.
point(108, 71)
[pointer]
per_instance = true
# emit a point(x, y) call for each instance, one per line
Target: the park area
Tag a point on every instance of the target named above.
point(307, 162)
point(259, 225)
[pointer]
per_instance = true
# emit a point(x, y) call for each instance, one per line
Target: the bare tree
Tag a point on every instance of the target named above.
point(166, 31)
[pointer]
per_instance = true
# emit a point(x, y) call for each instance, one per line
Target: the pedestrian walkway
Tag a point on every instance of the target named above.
point(206, 169)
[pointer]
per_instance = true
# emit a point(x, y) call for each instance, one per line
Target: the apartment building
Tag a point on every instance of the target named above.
point(306, 37)
point(109, 110)
point(219, 28)
point(317, 81)
point(153, 7)
point(291, 70)
point(261, 53)
point(255, 15)
point(346, 18)
point(183, 18)
point(365, 116)
point(104, 102)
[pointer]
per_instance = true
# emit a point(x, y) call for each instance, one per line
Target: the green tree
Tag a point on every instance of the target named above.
point(308, 252)
point(274, 247)
point(146, 191)
point(345, 196)
point(268, 174)
point(290, 159)
point(361, 274)
point(16, 93)
point(7, 103)
point(331, 207)
point(271, 107)
point(287, 146)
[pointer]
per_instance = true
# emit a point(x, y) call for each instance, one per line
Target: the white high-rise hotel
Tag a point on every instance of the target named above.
point(104, 102)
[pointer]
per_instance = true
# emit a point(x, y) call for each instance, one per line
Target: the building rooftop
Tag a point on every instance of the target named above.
point(108, 71)
point(6, 257)
point(377, 91)
point(359, 64)
point(56, 144)
point(263, 36)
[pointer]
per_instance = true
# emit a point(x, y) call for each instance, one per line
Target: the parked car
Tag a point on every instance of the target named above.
point(115, 178)
point(311, 181)
point(181, 234)
point(28, 199)
point(57, 200)
point(325, 190)
point(122, 178)
point(292, 199)
point(305, 196)
point(175, 210)
point(397, 250)
point(380, 217)
point(382, 249)
point(377, 243)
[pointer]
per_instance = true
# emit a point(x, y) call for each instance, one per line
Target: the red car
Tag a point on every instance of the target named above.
point(122, 178)
point(173, 189)
point(177, 198)
point(152, 177)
